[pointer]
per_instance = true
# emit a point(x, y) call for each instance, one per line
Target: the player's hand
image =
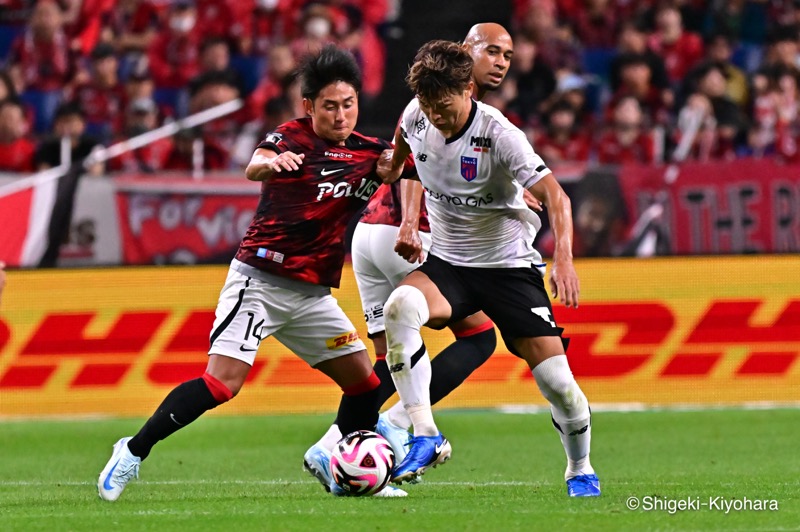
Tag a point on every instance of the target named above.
point(385, 169)
point(564, 283)
point(531, 201)
point(287, 160)
point(408, 244)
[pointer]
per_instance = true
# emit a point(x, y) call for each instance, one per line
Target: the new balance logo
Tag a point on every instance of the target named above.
point(422, 157)
point(396, 367)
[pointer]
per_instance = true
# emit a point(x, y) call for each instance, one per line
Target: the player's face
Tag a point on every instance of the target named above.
point(334, 111)
point(449, 112)
point(492, 59)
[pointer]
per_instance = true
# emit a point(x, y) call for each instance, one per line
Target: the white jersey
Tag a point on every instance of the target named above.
point(473, 186)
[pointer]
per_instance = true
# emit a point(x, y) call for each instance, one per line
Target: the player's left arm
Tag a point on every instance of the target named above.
point(564, 281)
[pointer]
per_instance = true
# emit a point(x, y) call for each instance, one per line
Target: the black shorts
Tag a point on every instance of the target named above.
point(515, 299)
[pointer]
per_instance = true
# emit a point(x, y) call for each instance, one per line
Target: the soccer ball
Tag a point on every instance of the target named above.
point(362, 462)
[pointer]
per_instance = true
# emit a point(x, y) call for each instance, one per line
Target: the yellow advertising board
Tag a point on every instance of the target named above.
point(698, 331)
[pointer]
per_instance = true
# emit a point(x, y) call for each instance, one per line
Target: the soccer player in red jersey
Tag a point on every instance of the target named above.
point(317, 172)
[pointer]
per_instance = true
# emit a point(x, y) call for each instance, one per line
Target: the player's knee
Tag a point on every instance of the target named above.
point(406, 306)
point(221, 391)
point(558, 385)
point(484, 342)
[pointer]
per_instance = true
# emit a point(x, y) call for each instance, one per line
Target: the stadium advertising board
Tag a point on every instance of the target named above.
point(721, 330)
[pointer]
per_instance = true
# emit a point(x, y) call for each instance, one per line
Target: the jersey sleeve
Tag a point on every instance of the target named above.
point(279, 140)
point(517, 155)
point(409, 118)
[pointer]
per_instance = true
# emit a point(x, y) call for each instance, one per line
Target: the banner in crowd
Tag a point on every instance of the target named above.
point(699, 331)
point(168, 222)
point(742, 206)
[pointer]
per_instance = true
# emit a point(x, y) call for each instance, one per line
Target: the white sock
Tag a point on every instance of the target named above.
point(405, 312)
point(328, 441)
point(398, 416)
point(570, 411)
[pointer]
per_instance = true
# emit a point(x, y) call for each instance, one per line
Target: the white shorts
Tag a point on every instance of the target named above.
point(378, 268)
point(250, 310)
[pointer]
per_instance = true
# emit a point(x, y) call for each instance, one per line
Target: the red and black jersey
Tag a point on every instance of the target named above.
point(384, 208)
point(298, 230)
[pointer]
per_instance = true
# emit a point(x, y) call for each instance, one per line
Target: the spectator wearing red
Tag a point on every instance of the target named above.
point(729, 120)
point(224, 19)
point(40, 58)
point(596, 24)
point(562, 141)
point(141, 117)
point(271, 22)
point(363, 42)
point(626, 141)
point(132, 26)
point(632, 41)
point(535, 81)
point(317, 29)
point(84, 23)
point(190, 153)
point(174, 55)
point(102, 96)
point(16, 149)
point(636, 79)
point(210, 90)
point(787, 97)
point(215, 57)
point(280, 66)
point(680, 49)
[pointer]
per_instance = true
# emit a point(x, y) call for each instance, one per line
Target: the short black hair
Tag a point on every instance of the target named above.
point(70, 108)
point(332, 64)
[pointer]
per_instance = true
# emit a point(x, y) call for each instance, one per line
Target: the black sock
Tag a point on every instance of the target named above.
point(183, 405)
point(358, 412)
point(386, 388)
point(457, 362)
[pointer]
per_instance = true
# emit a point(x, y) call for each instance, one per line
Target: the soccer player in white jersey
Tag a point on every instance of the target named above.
point(388, 245)
point(474, 165)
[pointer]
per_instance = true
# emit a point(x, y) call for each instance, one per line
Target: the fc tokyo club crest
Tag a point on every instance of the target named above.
point(469, 168)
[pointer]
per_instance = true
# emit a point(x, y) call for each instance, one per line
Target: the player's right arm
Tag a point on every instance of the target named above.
point(265, 163)
point(408, 244)
point(390, 163)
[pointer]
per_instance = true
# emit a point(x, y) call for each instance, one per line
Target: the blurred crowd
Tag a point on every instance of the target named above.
point(606, 81)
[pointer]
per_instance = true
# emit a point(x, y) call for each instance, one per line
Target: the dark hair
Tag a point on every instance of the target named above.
point(5, 79)
point(67, 109)
point(12, 102)
point(332, 64)
point(440, 68)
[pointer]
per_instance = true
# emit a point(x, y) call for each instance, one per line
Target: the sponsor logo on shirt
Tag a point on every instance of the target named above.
point(469, 201)
point(481, 144)
point(338, 155)
point(345, 189)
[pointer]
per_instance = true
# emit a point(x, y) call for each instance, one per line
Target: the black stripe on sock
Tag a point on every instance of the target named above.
point(232, 314)
point(416, 356)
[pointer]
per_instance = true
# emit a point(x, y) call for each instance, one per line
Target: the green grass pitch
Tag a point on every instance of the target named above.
point(244, 473)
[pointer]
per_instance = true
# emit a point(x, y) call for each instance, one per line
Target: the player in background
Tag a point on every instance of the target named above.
point(481, 256)
point(317, 172)
point(387, 247)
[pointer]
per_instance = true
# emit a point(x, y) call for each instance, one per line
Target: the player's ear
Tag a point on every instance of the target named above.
point(308, 106)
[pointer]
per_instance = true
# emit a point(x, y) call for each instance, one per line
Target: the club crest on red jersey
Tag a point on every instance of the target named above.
point(469, 168)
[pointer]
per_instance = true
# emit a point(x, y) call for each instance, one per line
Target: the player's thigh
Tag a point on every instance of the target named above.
point(517, 302)
point(248, 311)
point(347, 370)
point(476, 322)
point(319, 331)
point(374, 287)
point(449, 297)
